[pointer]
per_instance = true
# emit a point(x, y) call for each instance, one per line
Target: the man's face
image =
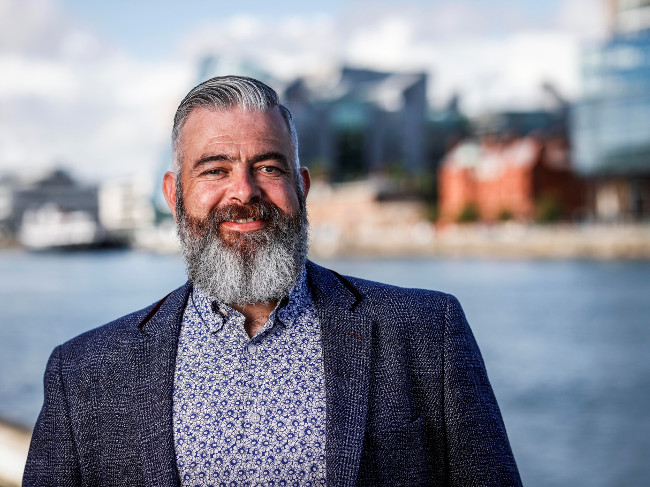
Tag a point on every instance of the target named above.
point(232, 161)
point(241, 217)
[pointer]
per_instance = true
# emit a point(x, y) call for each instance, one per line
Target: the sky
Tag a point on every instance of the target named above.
point(92, 85)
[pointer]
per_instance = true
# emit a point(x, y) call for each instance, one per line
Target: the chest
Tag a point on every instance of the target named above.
point(250, 408)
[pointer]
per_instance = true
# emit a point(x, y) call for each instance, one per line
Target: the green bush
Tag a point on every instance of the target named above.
point(431, 212)
point(468, 214)
point(548, 209)
point(505, 215)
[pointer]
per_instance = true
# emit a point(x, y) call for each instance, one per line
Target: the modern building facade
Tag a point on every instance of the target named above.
point(610, 123)
point(361, 121)
point(501, 178)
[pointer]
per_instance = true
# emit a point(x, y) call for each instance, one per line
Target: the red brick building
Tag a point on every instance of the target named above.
point(525, 178)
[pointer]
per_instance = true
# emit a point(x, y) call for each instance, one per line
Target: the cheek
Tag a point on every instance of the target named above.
point(201, 199)
point(284, 196)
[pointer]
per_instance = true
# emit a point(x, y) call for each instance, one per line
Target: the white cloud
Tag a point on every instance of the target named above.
point(69, 96)
point(495, 57)
point(243, 28)
point(41, 78)
point(29, 26)
point(584, 19)
point(285, 47)
point(497, 54)
point(385, 44)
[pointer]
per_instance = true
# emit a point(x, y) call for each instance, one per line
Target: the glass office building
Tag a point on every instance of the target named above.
point(610, 124)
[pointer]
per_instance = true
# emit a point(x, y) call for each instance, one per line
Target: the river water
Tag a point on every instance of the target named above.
point(566, 343)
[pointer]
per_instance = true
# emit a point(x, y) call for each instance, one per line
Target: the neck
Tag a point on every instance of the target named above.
point(255, 316)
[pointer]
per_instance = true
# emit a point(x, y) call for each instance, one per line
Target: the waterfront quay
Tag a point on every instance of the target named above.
point(14, 443)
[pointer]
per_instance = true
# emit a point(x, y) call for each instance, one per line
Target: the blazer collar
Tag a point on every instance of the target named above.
point(166, 315)
point(346, 333)
point(154, 372)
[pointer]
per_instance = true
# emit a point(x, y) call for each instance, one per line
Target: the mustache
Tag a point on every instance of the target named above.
point(209, 225)
point(258, 210)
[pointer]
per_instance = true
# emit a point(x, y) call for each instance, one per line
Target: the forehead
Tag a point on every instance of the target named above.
point(205, 126)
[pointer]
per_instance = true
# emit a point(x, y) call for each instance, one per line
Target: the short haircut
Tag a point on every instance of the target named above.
point(223, 93)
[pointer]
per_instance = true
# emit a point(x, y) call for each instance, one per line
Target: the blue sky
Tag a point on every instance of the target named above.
point(151, 29)
point(94, 84)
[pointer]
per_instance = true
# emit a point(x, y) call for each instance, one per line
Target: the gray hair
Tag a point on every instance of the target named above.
point(224, 92)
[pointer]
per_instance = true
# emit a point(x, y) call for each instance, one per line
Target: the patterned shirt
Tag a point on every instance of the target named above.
point(250, 411)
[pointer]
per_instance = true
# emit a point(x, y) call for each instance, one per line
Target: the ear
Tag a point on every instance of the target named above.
point(306, 180)
point(169, 190)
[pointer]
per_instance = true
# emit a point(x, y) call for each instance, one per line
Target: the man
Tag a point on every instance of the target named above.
point(266, 369)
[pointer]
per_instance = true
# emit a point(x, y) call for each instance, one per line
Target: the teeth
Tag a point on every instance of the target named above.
point(245, 220)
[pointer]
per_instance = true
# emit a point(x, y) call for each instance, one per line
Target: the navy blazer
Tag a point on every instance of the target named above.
point(408, 398)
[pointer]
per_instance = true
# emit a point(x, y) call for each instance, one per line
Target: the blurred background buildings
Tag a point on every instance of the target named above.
point(376, 138)
point(443, 127)
point(611, 119)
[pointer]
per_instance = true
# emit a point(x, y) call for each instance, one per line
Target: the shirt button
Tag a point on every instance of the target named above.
point(255, 417)
point(252, 348)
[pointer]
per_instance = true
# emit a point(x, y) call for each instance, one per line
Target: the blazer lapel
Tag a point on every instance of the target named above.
point(346, 335)
point(154, 360)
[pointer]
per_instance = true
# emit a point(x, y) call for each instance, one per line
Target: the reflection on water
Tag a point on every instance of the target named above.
point(565, 343)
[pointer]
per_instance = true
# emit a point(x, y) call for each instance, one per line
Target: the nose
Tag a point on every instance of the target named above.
point(243, 186)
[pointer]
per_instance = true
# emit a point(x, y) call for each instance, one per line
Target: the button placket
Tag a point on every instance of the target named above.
point(256, 380)
point(252, 417)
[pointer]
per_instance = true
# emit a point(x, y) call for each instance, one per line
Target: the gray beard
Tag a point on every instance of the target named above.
point(259, 267)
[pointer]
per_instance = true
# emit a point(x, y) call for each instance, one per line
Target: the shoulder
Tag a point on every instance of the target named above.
point(121, 331)
point(413, 309)
point(378, 291)
point(389, 302)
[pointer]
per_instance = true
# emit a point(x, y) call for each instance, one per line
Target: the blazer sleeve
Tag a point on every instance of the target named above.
point(52, 458)
point(478, 451)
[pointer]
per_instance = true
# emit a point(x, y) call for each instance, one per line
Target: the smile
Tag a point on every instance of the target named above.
point(244, 220)
point(244, 224)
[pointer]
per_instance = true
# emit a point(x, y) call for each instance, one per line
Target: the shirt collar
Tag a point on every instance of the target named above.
point(299, 299)
point(215, 313)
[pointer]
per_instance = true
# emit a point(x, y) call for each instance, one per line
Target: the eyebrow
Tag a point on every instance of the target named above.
point(270, 156)
point(213, 158)
point(265, 156)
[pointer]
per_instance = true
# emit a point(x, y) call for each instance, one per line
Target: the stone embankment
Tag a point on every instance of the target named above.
point(499, 241)
point(350, 219)
point(14, 444)
point(545, 241)
point(363, 218)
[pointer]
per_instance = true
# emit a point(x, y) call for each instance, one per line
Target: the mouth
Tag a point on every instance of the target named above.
point(243, 220)
point(250, 224)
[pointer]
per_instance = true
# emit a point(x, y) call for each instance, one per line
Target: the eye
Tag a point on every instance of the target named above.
point(214, 172)
point(271, 170)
